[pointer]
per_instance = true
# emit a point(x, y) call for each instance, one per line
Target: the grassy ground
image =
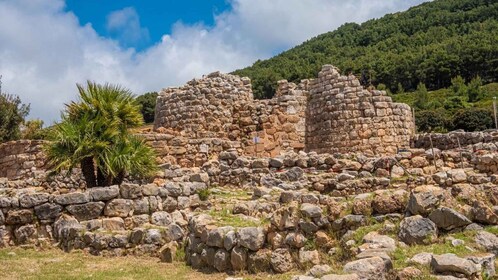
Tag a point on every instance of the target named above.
point(17, 263)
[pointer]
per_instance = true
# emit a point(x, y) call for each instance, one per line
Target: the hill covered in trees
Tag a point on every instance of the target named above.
point(429, 44)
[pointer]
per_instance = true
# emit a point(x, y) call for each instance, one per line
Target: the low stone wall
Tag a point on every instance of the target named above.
point(116, 220)
point(447, 141)
point(21, 158)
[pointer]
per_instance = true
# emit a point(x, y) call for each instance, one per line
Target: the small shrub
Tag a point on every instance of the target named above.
point(473, 119)
point(204, 194)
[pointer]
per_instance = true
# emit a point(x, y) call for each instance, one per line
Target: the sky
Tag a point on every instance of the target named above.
point(47, 46)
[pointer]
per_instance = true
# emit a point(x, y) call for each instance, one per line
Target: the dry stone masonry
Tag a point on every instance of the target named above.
point(330, 114)
point(344, 117)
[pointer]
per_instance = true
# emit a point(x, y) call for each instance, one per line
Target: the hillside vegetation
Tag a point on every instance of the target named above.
point(430, 44)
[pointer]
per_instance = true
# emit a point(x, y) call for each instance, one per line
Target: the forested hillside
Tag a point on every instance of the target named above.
point(429, 44)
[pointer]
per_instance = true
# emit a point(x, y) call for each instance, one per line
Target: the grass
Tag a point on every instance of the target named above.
point(17, 263)
point(55, 264)
point(226, 218)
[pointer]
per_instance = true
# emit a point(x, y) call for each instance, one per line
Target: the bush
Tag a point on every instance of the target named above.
point(473, 119)
point(148, 106)
point(431, 121)
point(33, 129)
point(12, 114)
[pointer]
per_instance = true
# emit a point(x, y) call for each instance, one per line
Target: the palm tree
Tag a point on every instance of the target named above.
point(93, 134)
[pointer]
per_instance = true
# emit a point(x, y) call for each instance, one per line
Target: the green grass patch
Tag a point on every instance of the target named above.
point(225, 217)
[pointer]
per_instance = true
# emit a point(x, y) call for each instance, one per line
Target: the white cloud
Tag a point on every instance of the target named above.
point(44, 50)
point(125, 23)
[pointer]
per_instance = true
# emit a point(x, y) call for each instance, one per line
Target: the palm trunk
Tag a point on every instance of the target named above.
point(119, 178)
point(101, 178)
point(88, 170)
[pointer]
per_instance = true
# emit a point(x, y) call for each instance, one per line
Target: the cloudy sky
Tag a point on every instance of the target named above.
point(47, 46)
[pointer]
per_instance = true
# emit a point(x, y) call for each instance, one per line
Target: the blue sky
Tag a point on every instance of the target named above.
point(156, 17)
point(47, 46)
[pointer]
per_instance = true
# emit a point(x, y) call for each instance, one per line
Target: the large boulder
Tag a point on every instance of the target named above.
point(32, 200)
point(118, 208)
point(485, 263)
point(19, 217)
point(423, 200)
point(448, 219)
point(281, 260)
point(216, 236)
point(417, 230)
point(238, 258)
point(72, 198)
point(104, 193)
point(87, 211)
point(374, 268)
point(253, 238)
point(48, 211)
point(259, 261)
point(386, 202)
point(450, 263)
point(487, 241)
point(221, 260)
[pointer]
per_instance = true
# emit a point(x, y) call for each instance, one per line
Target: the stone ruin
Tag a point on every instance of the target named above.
point(330, 114)
point(331, 161)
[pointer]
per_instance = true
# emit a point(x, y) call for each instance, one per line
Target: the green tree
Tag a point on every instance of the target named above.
point(421, 97)
point(431, 121)
point(33, 129)
point(12, 114)
point(473, 119)
point(458, 85)
point(94, 135)
point(147, 102)
point(474, 89)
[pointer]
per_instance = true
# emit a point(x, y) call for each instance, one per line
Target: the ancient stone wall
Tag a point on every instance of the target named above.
point(344, 117)
point(21, 158)
point(222, 107)
point(479, 140)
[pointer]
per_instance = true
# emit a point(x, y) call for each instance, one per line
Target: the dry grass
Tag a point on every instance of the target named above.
point(17, 263)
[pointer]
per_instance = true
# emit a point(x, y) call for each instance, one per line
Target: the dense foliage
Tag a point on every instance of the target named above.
point(12, 114)
point(94, 135)
point(430, 44)
point(147, 102)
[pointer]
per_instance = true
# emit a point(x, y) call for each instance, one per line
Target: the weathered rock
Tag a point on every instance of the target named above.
point(424, 200)
point(32, 200)
point(113, 224)
point(417, 230)
point(421, 259)
point(118, 208)
point(281, 260)
point(259, 261)
point(457, 175)
point(311, 210)
point(488, 241)
point(308, 257)
point(104, 193)
point(448, 219)
point(450, 263)
point(167, 253)
point(252, 238)
point(409, 273)
point(238, 258)
point(295, 239)
point(216, 236)
point(48, 211)
point(161, 218)
point(87, 211)
point(221, 260)
point(25, 233)
point(483, 213)
point(370, 268)
point(19, 217)
point(130, 191)
point(72, 198)
point(374, 240)
point(390, 202)
point(230, 240)
point(485, 263)
point(320, 270)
